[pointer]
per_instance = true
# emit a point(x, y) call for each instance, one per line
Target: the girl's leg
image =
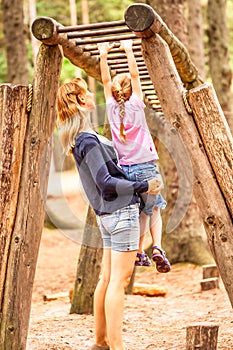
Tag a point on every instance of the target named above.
point(142, 258)
point(158, 255)
point(99, 300)
point(156, 227)
point(122, 265)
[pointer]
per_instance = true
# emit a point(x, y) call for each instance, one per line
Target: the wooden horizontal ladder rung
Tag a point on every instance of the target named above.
point(100, 33)
point(125, 70)
point(95, 52)
point(124, 65)
point(80, 27)
point(124, 60)
point(123, 56)
point(105, 39)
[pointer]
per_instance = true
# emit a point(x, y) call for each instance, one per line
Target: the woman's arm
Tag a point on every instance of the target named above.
point(127, 45)
point(107, 183)
point(104, 48)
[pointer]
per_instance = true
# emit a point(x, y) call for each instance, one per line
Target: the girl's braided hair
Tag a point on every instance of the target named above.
point(122, 90)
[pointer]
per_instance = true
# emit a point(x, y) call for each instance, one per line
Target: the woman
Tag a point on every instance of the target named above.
point(116, 204)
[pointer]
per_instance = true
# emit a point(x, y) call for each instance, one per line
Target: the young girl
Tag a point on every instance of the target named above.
point(115, 202)
point(134, 144)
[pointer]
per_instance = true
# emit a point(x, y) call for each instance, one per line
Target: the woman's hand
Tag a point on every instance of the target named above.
point(154, 186)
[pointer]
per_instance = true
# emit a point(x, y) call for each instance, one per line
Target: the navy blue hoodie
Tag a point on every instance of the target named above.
point(104, 182)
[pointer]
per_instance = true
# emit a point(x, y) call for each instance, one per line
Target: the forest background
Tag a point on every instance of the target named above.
point(96, 11)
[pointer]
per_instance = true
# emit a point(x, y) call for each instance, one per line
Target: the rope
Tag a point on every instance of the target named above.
point(186, 101)
point(29, 99)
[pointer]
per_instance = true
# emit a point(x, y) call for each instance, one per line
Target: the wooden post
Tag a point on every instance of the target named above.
point(89, 266)
point(13, 124)
point(29, 162)
point(216, 136)
point(202, 336)
point(209, 197)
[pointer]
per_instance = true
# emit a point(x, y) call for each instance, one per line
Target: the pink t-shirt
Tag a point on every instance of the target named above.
point(139, 146)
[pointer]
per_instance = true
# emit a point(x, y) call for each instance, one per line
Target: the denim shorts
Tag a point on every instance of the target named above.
point(120, 230)
point(146, 171)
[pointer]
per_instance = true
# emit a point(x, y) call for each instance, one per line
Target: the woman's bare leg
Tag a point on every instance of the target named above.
point(99, 300)
point(122, 265)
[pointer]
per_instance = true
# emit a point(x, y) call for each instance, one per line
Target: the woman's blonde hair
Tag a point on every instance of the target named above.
point(122, 90)
point(70, 113)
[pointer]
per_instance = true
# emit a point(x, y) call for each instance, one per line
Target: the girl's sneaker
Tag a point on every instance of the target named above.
point(159, 257)
point(142, 259)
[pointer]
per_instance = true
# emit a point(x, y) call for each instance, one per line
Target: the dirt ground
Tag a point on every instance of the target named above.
point(150, 323)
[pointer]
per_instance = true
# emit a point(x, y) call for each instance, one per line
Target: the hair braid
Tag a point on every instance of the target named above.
point(122, 90)
point(122, 115)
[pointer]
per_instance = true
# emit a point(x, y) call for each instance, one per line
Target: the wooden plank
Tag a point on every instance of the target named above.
point(209, 283)
point(209, 271)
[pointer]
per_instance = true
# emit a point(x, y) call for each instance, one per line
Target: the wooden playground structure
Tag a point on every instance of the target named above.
point(172, 88)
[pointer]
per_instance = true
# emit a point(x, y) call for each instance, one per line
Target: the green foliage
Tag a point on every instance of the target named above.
point(57, 9)
point(230, 29)
point(105, 11)
point(99, 11)
point(68, 71)
point(3, 65)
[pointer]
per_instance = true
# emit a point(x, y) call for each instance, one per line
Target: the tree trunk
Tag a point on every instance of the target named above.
point(28, 168)
point(196, 36)
point(32, 16)
point(221, 74)
point(91, 81)
point(169, 88)
point(172, 13)
point(16, 51)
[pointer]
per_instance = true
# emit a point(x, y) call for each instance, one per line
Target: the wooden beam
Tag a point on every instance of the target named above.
point(145, 23)
point(45, 29)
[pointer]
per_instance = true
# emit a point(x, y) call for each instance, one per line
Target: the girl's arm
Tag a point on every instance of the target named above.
point(104, 48)
point(133, 68)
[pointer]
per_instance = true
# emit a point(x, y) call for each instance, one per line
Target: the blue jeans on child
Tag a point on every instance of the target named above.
point(146, 171)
